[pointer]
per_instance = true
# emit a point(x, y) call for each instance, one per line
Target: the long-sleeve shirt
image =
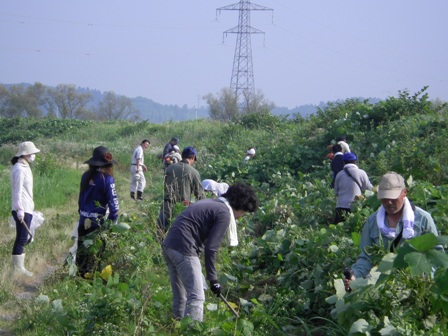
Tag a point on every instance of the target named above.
point(22, 187)
point(200, 228)
point(371, 236)
point(345, 188)
point(181, 181)
point(98, 196)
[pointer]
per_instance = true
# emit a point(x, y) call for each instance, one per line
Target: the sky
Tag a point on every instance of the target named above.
point(175, 51)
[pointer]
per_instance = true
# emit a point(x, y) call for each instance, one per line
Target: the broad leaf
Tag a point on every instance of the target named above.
point(387, 263)
point(418, 263)
point(399, 261)
point(438, 258)
point(424, 243)
point(361, 326)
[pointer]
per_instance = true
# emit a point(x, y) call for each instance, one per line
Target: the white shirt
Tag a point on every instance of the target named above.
point(22, 187)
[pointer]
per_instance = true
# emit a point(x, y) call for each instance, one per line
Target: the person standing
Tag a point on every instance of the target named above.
point(350, 182)
point(396, 221)
point(337, 164)
point(97, 195)
point(21, 178)
point(169, 147)
point(181, 181)
point(201, 228)
point(138, 180)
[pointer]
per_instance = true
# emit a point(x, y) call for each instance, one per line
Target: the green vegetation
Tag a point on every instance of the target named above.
point(285, 277)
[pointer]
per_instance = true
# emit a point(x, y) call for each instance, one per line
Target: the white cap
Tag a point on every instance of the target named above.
point(251, 151)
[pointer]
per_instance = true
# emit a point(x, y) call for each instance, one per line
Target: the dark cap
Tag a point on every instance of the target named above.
point(188, 152)
point(100, 157)
point(349, 157)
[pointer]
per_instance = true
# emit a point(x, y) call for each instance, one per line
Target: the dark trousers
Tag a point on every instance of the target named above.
point(85, 260)
point(166, 213)
point(341, 215)
point(21, 232)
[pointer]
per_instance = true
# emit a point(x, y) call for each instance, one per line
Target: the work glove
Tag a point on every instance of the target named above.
point(215, 287)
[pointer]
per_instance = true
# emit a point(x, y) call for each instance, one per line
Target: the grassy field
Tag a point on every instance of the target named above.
point(284, 277)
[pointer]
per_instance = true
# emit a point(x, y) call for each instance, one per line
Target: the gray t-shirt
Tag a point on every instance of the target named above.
point(200, 227)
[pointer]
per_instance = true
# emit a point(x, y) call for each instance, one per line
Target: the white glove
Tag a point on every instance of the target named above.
point(20, 215)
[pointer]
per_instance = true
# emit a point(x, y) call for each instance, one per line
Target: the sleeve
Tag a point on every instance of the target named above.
point(17, 179)
point(197, 186)
point(112, 199)
point(363, 265)
point(213, 242)
point(366, 185)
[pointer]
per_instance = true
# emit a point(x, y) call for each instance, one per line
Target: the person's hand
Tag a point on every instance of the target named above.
point(144, 168)
point(348, 277)
point(20, 215)
point(215, 287)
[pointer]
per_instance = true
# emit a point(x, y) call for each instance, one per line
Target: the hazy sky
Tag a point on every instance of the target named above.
point(173, 51)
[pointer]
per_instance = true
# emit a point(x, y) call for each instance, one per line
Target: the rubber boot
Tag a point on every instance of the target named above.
point(133, 195)
point(139, 196)
point(18, 261)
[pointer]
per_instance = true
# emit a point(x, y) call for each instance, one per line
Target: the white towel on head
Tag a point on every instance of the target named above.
point(232, 232)
point(408, 221)
point(216, 188)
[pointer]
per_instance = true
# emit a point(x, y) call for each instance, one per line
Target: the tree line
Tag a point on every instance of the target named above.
point(64, 101)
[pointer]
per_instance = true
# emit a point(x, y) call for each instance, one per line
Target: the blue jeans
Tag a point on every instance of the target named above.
point(186, 283)
point(21, 232)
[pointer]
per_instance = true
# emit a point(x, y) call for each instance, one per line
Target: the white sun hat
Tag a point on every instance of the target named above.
point(27, 148)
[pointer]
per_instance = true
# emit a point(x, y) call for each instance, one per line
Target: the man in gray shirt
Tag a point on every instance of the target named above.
point(349, 183)
point(201, 228)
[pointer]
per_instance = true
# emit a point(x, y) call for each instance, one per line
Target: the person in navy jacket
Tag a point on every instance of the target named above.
point(97, 196)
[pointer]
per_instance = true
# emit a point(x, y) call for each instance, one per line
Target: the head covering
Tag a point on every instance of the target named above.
point(100, 157)
point(349, 157)
point(175, 140)
point(189, 151)
point(391, 186)
point(176, 148)
point(27, 148)
point(216, 188)
point(251, 151)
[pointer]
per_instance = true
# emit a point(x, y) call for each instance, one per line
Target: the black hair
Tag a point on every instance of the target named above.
point(341, 138)
point(241, 196)
point(336, 148)
point(14, 160)
point(349, 161)
point(146, 140)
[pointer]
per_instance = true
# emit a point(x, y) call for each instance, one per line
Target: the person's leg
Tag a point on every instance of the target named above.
point(21, 233)
point(179, 294)
point(190, 273)
point(133, 185)
point(341, 215)
point(165, 215)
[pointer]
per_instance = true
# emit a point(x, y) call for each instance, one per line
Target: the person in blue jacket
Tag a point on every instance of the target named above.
point(97, 195)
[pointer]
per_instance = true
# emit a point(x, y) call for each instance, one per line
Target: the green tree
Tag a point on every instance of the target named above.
point(114, 107)
point(68, 103)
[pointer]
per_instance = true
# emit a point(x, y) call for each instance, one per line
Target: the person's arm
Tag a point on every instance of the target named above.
point(213, 242)
point(18, 179)
point(197, 186)
point(363, 265)
point(112, 198)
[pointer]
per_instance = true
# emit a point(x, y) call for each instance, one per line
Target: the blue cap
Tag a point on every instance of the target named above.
point(349, 157)
point(189, 152)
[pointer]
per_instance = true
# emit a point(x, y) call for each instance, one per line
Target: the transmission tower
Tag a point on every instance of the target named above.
point(242, 81)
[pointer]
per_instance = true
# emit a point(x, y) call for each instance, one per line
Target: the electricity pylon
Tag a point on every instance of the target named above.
point(242, 81)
